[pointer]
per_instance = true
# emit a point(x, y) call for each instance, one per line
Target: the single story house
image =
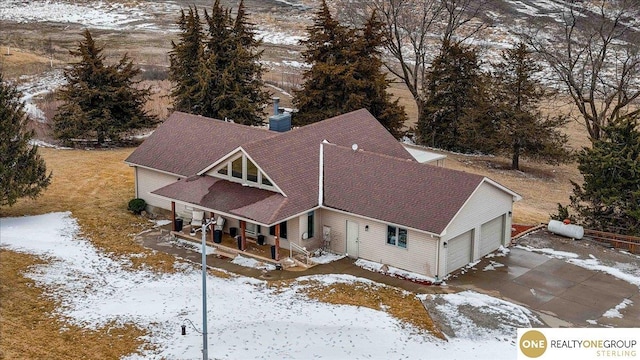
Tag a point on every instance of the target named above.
point(344, 184)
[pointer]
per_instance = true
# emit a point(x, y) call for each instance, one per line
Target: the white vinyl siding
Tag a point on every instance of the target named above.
point(418, 257)
point(487, 203)
point(148, 181)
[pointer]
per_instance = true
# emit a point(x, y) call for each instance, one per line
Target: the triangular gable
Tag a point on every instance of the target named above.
point(238, 166)
point(486, 180)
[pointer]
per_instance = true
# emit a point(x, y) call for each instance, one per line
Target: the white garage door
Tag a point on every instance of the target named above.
point(491, 235)
point(459, 250)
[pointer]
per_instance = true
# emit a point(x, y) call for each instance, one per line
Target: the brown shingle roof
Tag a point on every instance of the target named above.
point(185, 144)
point(380, 180)
point(408, 193)
point(291, 159)
point(225, 196)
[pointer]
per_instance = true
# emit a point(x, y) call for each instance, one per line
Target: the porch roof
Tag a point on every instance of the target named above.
point(260, 206)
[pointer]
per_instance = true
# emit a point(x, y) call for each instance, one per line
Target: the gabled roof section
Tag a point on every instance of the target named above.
point(402, 192)
point(185, 144)
point(291, 159)
point(209, 170)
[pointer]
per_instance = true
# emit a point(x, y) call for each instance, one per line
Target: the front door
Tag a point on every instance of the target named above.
point(352, 239)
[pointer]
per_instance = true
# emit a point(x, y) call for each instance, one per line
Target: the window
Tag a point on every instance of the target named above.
point(310, 223)
point(223, 170)
point(252, 171)
point(397, 236)
point(236, 168)
point(283, 230)
point(253, 229)
point(266, 181)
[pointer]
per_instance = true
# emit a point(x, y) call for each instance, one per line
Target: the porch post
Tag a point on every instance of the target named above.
point(173, 216)
point(277, 242)
point(212, 224)
point(243, 234)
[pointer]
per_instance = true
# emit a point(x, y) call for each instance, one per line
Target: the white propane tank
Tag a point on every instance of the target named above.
point(568, 230)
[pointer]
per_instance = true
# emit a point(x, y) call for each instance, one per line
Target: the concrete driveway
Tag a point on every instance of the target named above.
point(562, 293)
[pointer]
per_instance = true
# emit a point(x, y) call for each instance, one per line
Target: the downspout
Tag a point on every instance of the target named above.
point(437, 280)
point(135, 177)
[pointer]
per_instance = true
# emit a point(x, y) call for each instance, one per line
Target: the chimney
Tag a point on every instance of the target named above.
point(279, 121)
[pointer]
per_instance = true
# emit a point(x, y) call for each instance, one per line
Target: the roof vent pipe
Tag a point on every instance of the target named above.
point(276, 103)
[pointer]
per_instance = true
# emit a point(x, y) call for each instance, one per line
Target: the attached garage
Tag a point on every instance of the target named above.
point(459, 251)
point(491, 234)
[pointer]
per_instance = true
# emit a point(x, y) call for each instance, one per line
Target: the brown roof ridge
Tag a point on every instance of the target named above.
point(229, 123)
point(408, 160)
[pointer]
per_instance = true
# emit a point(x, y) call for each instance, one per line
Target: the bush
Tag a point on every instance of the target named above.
point(562, 214)
point(137, 205)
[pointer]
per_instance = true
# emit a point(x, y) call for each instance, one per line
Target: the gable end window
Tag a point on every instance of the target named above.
point(397, 236)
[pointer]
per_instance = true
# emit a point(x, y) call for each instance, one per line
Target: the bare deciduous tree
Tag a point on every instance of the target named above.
point(415, 30)
point(596, 60)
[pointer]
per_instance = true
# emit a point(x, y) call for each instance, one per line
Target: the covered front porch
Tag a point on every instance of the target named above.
point(229, 246)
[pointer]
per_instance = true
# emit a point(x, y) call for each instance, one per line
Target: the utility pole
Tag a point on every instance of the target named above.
point(205, 346)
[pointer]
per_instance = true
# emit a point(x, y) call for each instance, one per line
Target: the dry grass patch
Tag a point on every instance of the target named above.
point(30, 330)
point(19, 62)
point(95, 185)
point(402, 305)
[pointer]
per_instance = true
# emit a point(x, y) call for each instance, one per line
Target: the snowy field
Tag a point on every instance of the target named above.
point(151, 16)
point(247, 320)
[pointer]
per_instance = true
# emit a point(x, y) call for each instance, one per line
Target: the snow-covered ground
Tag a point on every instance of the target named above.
point(34, 86)
point(125, 16)
point(623, 271)
point(91, 14)
point(247, 319)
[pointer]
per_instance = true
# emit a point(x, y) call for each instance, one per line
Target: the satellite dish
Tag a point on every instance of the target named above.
point(354, 147)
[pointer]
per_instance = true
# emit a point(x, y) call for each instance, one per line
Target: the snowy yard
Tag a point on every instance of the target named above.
point(247, 319)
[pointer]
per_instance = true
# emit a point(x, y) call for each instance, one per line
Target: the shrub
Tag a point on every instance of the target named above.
point(137, 205)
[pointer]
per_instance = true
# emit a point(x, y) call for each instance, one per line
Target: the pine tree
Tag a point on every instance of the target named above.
point(184, 57)
point(227, 83)
point(345, 74)
point(323, 94)
point(523, 130)
point(609, 198)
point(370, 83)
point(451, 92)
point(23, 172)
point(100, 100)
point(245, 73)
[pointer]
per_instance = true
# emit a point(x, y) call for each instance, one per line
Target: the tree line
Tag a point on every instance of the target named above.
point(215, 71)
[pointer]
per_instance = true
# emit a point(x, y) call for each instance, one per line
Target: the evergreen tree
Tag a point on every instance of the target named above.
point(345, 74)
point(23, 172)
point(609, 198)
point(100, 100)
point(323, 92)
point(184, 57)
point(453, 89)
point(227, 82)
point(523, 130)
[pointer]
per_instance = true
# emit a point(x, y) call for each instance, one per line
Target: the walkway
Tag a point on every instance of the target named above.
point(158, 239)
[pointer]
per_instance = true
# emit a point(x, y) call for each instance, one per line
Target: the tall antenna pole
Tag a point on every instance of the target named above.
point(205, 346)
